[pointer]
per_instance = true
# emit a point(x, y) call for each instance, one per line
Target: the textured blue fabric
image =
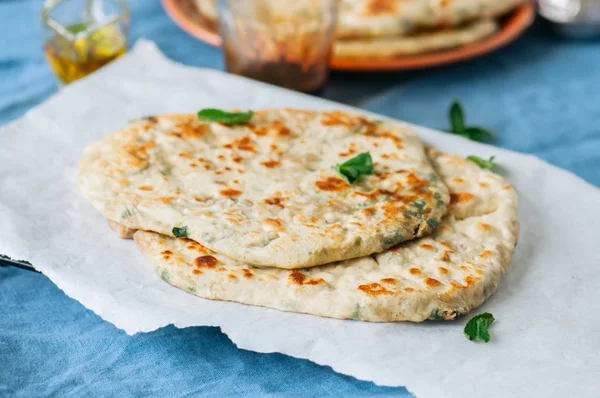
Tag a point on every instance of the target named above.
point(50, 345)
point(540, 95)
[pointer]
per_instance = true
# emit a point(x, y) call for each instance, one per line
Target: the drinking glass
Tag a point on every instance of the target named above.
point(283, 42)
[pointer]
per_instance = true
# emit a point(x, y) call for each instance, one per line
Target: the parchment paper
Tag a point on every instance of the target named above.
point(545, 342)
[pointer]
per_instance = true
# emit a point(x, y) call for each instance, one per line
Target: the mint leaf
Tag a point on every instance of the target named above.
point(457, 117)
point(181, 232)
point(484, 164)
point(352, 169)
point(477, 327)
point(228, 118)
point(478, 134)
point(457, 122)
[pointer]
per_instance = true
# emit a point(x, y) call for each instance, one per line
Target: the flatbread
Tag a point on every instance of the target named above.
point(442, 276)
point(391, 47)
point(360, 19)
point(122, 231)
point(266, 192)
point(208, 10)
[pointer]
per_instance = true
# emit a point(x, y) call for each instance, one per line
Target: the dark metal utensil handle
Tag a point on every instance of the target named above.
point(6, 261)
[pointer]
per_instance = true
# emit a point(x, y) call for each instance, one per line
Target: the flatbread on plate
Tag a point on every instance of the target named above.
point(266, 192)
point(429, 41)
point(439, 277)
point(361, 19)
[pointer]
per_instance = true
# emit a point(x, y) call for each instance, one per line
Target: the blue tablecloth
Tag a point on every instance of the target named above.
point(540, 95)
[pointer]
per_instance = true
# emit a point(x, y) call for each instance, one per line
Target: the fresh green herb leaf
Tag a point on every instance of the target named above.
point(181, 232)
point(484, 164)
point(228, 118)
point(478, 134)
point(477, 327)
point(457, 122)
point(457, 117)
point(358, 166)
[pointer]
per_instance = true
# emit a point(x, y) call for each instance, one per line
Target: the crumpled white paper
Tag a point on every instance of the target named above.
point(546, 338)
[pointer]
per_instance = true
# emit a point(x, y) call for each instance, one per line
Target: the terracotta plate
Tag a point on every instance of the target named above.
point(185, 15)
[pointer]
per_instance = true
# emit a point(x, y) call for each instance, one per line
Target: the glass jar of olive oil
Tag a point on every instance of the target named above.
point(84, 35)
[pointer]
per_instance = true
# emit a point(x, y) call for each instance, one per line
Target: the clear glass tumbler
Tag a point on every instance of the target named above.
point(282, 42)
point(83, 35)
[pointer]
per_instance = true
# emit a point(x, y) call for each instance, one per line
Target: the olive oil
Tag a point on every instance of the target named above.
point(87, 50)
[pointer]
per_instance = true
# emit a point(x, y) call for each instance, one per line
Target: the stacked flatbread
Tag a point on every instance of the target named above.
point(368, 29)
point(269, 220)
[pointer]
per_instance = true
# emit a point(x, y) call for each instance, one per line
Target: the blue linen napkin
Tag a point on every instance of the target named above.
point(540, 95)
point(51, 346)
